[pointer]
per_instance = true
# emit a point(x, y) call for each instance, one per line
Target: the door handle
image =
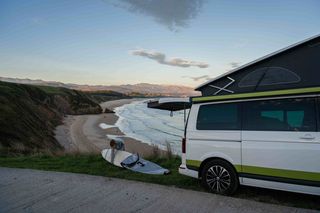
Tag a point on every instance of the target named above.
point(308, 137)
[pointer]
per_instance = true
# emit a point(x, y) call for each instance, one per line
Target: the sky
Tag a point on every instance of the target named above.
point(177, 42)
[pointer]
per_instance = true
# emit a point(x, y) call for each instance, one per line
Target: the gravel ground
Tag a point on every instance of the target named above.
point(25, 190)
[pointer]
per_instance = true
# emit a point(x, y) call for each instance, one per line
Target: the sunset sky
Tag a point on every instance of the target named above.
point(181, 42)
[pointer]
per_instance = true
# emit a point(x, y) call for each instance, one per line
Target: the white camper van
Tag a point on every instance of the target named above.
point(257, 125)
point(271, 142)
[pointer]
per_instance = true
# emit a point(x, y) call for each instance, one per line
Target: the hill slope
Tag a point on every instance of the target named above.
point(29, 115)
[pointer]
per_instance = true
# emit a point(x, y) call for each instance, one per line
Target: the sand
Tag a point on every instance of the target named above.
point(82, 133)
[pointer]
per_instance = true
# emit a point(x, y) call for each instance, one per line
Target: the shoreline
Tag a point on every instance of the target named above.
point(82, 133)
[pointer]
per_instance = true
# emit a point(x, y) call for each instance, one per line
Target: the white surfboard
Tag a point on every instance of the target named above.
point(119, 156)
point(132, 162)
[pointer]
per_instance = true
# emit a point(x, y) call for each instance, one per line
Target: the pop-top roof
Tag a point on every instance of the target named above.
point(296, 66)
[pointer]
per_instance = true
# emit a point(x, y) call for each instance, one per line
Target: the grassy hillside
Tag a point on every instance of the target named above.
point(29, 114)
point(105, 95)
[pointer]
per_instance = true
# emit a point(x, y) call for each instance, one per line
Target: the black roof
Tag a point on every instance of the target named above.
point(296, 66)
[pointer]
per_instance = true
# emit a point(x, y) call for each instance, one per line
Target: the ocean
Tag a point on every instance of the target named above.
point(151, 126)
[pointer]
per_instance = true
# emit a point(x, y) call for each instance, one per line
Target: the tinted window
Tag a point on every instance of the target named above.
point(218, 117)
point(279, 75)
point(318, 112)
point(269, 76)
point(280, 115)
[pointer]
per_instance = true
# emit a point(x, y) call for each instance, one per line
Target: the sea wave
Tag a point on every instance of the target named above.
point(151, 126)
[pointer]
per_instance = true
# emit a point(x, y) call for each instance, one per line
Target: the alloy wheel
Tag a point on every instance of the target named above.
point(218, 179)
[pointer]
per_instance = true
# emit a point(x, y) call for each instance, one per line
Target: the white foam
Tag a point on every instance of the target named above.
point(151, 126)
point(106, 126)
point(115, 136)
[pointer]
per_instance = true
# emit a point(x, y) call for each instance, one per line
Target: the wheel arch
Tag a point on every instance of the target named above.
point(204, 162)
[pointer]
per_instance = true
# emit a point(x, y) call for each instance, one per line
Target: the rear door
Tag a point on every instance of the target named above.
point(280, 141)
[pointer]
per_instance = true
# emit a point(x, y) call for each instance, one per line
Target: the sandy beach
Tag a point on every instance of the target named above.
point(82, 133)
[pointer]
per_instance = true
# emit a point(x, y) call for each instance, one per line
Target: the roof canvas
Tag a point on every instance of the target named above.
point(257, 60)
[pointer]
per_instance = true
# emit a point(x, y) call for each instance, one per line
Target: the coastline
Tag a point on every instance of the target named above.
point(82, 133)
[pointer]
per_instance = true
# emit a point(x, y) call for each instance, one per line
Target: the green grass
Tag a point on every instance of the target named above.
point(50, 90)
point(96, 165)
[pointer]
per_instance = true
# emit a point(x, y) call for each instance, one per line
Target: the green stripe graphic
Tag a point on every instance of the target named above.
point(194, 163)
point(292, 174)
point(257, 94)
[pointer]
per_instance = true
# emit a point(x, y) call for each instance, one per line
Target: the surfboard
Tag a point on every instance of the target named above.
point(118, 157)
point(132, 162)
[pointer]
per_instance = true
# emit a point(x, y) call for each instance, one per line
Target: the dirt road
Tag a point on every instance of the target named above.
point(24, 190)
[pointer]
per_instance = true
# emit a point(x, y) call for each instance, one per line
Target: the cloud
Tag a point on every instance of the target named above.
point(234, 64)
point(197, 78)
point(161, 58)
point(174, 14)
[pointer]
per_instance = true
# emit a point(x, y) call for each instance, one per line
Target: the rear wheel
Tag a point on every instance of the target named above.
point(219, 177)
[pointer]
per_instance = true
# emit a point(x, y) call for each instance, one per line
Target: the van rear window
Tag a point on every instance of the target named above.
point(218, 117)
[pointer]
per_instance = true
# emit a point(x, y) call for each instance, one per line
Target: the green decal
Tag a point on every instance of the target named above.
point(257, 94)
point(194, 163)
point(293, 174)
point(238, 168)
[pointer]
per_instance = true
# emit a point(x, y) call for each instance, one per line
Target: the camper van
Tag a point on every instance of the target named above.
point(271, 142)
point(257, 125)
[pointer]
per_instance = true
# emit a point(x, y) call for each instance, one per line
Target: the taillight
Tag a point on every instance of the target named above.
point(183, 145)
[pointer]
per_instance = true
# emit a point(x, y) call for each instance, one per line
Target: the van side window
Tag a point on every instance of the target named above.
point(280, 115)
point(218, 117)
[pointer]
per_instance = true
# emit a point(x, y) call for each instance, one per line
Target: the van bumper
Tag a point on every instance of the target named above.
point(188, 172)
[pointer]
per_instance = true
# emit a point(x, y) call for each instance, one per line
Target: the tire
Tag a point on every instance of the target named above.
point(219, 177)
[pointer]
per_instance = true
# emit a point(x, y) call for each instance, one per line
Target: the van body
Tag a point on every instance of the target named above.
point(269, 142)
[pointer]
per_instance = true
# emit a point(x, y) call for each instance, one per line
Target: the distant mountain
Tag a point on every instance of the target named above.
point(128, 89)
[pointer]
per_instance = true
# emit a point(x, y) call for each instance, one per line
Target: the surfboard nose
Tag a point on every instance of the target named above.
point(104, 153)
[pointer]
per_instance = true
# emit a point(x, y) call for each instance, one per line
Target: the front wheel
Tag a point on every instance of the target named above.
point(219, 177)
